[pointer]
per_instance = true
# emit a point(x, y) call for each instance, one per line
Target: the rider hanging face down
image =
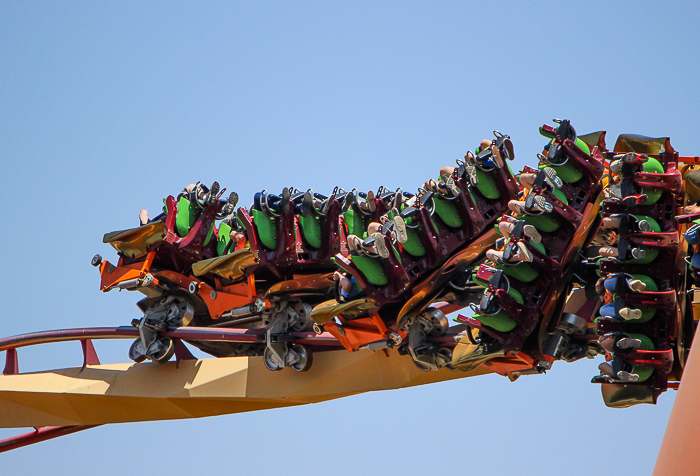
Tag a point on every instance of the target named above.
point(198, 192)
point(447, 187)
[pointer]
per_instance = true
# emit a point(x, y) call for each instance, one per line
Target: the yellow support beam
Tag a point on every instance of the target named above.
point(121, 393)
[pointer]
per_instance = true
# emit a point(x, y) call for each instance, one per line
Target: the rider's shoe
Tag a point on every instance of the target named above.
point(644, 226)
point(626, 376)
point(552, 177)
point(537, 203)
point(525, 254)
point(307, 203)
point(628, 343)
point(284, 204)
point(471, 173)
point(637, 285)
point(143, 217)
point(400, 229)
point(452, 186)
point(638, 253)
point(628, 158)
point(379, 243)
point(230, 206)
point(532, 233)
point(371, 201)
point(497, 158)
point(213, 193)
point(629, 314)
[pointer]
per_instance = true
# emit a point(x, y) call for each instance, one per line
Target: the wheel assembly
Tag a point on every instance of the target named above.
point(167, 350)
point(305, 358)
point(271, 361)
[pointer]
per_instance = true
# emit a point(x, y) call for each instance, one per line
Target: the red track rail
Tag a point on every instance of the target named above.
point(39, 434)
point(211, 334)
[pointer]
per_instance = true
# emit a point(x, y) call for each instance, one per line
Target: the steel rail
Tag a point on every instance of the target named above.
point(184, 333)
point(40, 434)
point(207, 334)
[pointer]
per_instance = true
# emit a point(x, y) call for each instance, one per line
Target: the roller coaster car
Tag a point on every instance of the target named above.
point(287, 260)
point(660, 317)
point(156, 259)
point(446, 237)
point(529, 296)
point(184, 237)
point(292, 240)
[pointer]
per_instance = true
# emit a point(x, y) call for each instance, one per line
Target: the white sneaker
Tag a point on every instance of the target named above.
point(532, 233)
point(400, 229)
point(628, 343)
point(525, 254)
point(636, 285)
point(629, 314)
point(627, 377)
point(382, 250)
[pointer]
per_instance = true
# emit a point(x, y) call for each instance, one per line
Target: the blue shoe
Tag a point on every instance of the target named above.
point(692, 235)
point(695, 261)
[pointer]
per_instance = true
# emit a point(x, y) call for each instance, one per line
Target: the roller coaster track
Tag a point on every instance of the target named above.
point(324, 344)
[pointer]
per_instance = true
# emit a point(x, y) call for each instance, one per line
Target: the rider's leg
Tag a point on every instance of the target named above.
point(143, 217)
point(636, 285)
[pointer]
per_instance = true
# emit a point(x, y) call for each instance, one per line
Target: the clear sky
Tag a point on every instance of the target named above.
point(108, 107)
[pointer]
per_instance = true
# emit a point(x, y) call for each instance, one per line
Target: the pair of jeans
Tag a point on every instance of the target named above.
point(608, 310)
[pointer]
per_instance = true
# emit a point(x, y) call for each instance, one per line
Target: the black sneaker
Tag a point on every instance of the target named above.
point(552, 178)
point(307, 203)
point(230, 206)
point(471, 173)
point(213, 193)
point(284, 203)
point(452, 186)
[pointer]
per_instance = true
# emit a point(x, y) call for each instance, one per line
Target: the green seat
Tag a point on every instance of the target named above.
point(223, 239)
point(448, 213)
point(653, 195)
point(643, 371)
point(501, 321)
point(371, 268)
point(568, 172)
point(356, 223)
point(311, 230)
point(487, 186)
point(413, 245)
point(524, 272)
point(186, 218)
point(545, 222)
point(647, 312)
point(267, 231)
point(650, 254)
point(655, 227)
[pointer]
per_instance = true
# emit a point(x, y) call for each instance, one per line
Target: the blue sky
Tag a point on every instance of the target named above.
point(109, 107)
